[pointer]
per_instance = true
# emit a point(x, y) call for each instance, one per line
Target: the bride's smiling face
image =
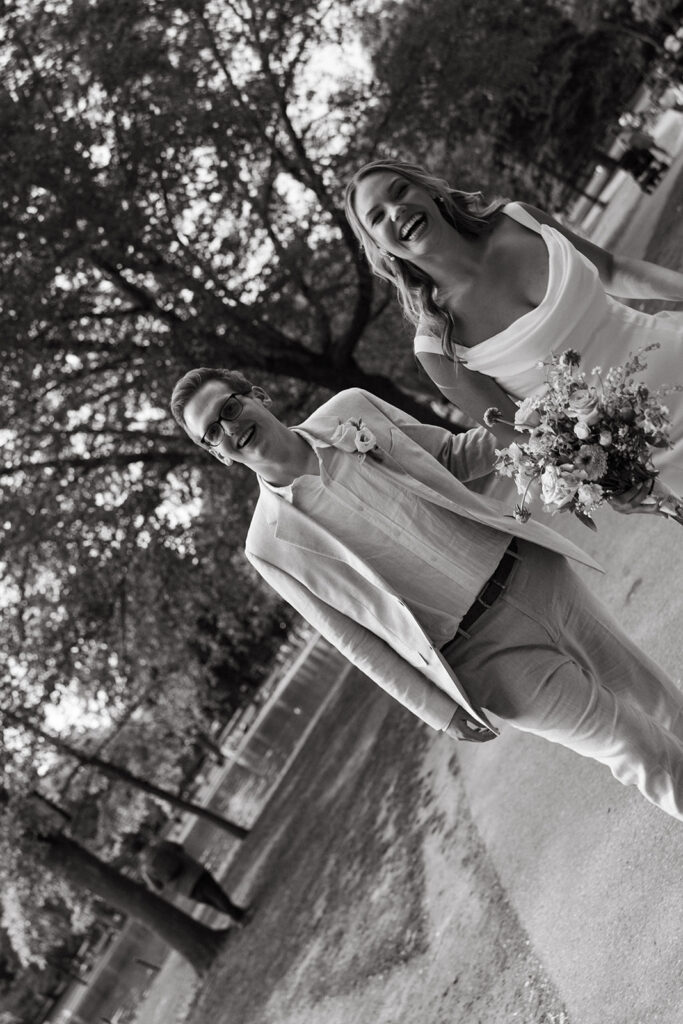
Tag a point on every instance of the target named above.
point(401, 218)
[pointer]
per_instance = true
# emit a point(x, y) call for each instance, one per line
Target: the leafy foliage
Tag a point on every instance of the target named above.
point(506, 96)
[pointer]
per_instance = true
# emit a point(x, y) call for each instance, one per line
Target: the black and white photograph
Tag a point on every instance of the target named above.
point(341, 508)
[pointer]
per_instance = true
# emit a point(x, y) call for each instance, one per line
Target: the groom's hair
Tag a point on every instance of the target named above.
point(190, 383)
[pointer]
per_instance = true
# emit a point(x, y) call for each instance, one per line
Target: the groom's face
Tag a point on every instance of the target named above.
point(251, 435)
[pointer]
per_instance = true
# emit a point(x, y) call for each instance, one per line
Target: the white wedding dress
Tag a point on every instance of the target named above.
point(577, 313)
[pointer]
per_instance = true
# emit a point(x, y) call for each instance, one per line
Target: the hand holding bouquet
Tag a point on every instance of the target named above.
point(588, 441)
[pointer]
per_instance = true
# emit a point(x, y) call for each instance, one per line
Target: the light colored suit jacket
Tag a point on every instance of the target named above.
point(341, 595)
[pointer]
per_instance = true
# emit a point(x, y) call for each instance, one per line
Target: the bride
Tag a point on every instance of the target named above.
point(493, 289)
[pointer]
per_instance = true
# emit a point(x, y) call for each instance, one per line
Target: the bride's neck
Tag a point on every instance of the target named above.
point(456, 266)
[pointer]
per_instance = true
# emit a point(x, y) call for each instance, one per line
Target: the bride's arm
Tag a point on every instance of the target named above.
point(471, 392)
point(621, 276)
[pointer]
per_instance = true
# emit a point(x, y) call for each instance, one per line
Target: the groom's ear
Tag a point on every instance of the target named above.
point(261, 395)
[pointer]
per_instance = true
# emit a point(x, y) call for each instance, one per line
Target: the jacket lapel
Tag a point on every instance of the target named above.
point(424, 476)
point(493, 513)
point(293, 527)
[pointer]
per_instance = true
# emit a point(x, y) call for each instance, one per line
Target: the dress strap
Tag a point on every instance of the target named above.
point(427, 343)
point(517, 212)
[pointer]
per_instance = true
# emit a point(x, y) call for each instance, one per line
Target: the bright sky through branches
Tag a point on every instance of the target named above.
point(201, 213)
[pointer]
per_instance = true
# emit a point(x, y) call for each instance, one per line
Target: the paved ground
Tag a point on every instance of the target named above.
point(376, 898)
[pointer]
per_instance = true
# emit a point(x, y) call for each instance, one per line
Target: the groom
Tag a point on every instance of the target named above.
point(367, 526)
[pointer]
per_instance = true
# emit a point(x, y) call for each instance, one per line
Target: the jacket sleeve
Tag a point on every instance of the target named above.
point(362, 648)
point(468, 455)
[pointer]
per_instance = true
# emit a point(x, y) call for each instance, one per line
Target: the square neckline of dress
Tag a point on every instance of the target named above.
point(433, 345)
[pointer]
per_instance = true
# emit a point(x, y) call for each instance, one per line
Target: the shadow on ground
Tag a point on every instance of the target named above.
point(334, 846)
point(346, 868)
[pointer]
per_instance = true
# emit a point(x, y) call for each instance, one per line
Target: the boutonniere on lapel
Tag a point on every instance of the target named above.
point(354, 436)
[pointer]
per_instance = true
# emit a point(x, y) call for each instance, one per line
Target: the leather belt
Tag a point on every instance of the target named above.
point(489, 593)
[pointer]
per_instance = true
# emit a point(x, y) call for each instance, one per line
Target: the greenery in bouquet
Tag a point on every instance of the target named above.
point(588, 438)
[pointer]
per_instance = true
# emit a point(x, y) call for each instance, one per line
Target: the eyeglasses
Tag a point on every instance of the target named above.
point(231, 409)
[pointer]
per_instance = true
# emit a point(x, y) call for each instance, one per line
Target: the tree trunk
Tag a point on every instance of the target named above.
point(208, 745)
point(322, 371)
point(193, 940)
point(114, 771)
point(311, 370)
point(384, 387)
point(333, 369)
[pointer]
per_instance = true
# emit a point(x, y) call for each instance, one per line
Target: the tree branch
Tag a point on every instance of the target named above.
point(88, 465)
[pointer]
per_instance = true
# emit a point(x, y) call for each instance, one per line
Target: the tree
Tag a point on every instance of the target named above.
point(509, 97)
point(445, 71)
point(170, 197)
point(122, 774)
point(175, 206)
point(586, 82)
point(42, 868)
point(42, 865)
point(198, 943)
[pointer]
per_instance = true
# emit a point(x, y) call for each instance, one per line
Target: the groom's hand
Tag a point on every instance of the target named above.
point(463, 727)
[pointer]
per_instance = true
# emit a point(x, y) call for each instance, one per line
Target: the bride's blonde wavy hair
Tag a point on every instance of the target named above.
point(467, 212)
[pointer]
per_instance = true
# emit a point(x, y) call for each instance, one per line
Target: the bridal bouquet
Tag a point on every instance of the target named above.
point(588, 440)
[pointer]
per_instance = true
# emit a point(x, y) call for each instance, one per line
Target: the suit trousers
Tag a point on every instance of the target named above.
point(548, 658)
